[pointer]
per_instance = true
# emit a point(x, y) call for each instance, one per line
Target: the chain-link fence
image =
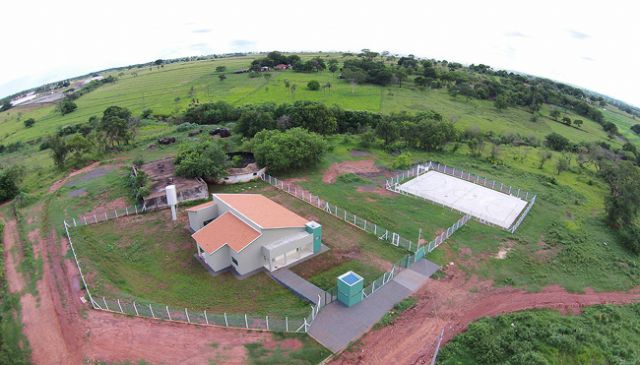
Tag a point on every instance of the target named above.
point(381, 232)
point(190, 316)
point(394, 182)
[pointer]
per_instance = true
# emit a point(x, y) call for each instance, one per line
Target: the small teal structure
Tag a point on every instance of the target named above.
point(316, 229)
point(350, 286)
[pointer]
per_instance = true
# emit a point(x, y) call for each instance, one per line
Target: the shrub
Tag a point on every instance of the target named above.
point(557, 142)
point(29, 123)
point(402, 161)
point(313, 85)
point(66, 106)
point(10, 177)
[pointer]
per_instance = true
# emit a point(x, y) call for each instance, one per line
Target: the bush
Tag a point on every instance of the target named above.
point(292, 149)
point(29, 123)
point(313, 85)
point(557, 142)
point(66, 106)
point(10, 177)
point(139, 185)
point(205, 160)
point(402, 161)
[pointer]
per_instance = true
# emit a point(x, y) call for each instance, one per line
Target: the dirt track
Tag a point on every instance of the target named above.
point(349, 167)
point(453, 303)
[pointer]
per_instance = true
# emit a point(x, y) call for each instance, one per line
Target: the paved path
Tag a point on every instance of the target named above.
point(336, 326)
point(298, 285)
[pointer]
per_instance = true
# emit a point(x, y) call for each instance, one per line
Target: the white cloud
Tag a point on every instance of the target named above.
point(47, 40)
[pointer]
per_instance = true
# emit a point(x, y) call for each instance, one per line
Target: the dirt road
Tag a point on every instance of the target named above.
point(453, 303)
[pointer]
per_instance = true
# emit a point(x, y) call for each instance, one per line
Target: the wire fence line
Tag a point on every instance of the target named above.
point(314, 200)
point(108, 214)
point(189, 316)
point(394, 182)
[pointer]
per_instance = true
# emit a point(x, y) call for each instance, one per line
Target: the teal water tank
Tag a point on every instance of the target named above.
point(316, 229)
point(350, 287)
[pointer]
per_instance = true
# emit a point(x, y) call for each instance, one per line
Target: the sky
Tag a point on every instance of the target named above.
point(590, 44)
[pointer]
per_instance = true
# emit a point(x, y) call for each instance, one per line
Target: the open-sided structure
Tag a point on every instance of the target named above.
point(249, 232)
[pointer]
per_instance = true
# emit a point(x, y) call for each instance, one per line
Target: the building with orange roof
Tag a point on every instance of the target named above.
point(247, 233)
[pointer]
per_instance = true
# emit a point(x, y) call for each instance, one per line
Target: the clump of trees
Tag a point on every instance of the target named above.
point(205, 159)
point(10, 178)
point(274, 58)
point(287, 150)
point(75, 145)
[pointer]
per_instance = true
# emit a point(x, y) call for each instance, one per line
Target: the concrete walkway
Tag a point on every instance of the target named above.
point(336, 326)
point(300, 286)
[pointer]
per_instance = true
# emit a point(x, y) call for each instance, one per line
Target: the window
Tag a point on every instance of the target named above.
point(234, 261)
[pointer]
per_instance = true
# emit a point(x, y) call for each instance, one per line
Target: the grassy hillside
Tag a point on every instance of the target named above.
point(170, 89)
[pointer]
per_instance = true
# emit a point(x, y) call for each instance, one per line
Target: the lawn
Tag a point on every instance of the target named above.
point(149, 258)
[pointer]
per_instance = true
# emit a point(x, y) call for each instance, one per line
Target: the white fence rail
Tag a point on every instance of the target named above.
point(184, 315)
point(393, 183)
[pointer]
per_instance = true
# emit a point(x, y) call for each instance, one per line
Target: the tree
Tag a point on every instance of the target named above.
point(402, 161)
point(115, 126)
point(578, 122)
point(284, 151)
point(221, 68)
point(204, 160)
point(253, 120)
point(10, 178)
point(222, 77)
point(333, 67)
point(78, 146)
point(313, 85)
point(544, 157)
point(314, 116)
point(562, 164)
point(66, 106)
point(554, 114)
point(59, 150)
point(146, 113)
point(502, 102)
point(557, 142)
point(388, 130)
point(6, 106)
point(29, 123)
point(566, 120)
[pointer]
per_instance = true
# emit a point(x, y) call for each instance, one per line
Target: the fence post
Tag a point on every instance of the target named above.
point(136, 309)
point(187, 314)
point(95, 219)
point(105, 303)
point(120, 306)
point(168, 313)
point(246, 321)
point(206, 319)
point(116, 212)
point(151, 310)
point(126, 210)
point(286, 324)
point(226, 321)
point(267, 319)
point(74, 222)
point(135, 206)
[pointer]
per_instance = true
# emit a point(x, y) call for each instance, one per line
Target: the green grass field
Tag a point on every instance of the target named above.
point(604, 334)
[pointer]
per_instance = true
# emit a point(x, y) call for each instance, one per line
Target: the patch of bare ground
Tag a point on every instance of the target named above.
point(454, 302)
point(349, 167)
point(60, 183)
point(374, 189)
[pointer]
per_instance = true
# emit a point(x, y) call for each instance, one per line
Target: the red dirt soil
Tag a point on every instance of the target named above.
point(349, 167)
point(453, 303)
point(63, 330)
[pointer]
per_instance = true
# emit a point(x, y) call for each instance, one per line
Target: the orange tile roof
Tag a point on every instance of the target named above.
point(196, 208)
point(227, 229)
point(263, 211)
